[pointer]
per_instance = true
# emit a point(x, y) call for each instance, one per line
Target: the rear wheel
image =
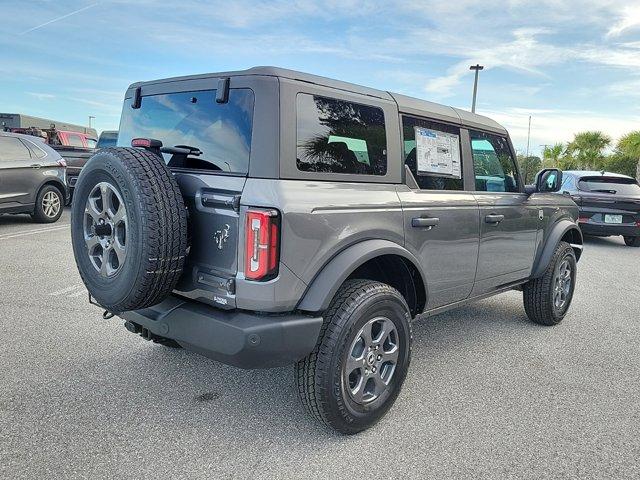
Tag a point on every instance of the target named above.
point(359, 364)
point(632, 241)
point(547, 299)
point(49, 205)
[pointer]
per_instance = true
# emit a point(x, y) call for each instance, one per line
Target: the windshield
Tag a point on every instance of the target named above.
point(612, 185)
point(107, 140)
point(221, 131)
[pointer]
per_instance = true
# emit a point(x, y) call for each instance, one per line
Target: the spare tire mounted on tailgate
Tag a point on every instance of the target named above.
point(128, 229)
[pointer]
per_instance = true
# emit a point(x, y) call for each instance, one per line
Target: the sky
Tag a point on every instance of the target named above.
point(570, 65)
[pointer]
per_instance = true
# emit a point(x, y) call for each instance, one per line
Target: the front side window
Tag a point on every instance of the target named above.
point(12, 149)
point(434, 159)
point(494, 165)
point(218, 134)
point(335, 136)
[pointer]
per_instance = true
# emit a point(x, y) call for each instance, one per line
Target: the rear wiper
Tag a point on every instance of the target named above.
point(613, 192)
point(182, 150)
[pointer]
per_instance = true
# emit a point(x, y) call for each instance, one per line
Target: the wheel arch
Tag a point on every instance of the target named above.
point(564, 230)
point(380, 260)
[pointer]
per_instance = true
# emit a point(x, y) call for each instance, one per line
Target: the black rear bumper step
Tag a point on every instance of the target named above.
point(242, 339)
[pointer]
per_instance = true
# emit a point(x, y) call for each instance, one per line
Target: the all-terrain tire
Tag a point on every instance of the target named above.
point(632, 241)
point(155, 229)
point(39, 214)
point(319, 377)
point(538, 294)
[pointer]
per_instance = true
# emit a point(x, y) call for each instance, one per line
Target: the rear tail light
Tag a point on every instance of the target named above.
point(61, 162)
point(262, 237)
point(583, 219)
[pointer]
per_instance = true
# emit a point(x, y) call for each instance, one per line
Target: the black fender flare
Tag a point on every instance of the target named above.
point(324, 286)
point(558, 231)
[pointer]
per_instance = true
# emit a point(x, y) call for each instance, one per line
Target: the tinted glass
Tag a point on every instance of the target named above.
point(494, 166)
point(612, 185)
point(12, 149)
point(221, 131)
point(91, 142)
point(428, 181)
point(335, 136)
point(107, 140)
point(75, 140)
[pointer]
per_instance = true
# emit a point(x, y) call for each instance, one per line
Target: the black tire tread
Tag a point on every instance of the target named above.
point(632, 241)
point(316, 365)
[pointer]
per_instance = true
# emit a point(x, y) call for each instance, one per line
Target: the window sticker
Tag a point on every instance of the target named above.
point(437, 153)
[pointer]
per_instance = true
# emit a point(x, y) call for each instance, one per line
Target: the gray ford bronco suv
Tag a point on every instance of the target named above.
point(268, 217)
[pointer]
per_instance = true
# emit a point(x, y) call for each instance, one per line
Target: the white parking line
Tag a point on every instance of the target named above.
point(80, 293)
point(33, 232)
point(72, 288)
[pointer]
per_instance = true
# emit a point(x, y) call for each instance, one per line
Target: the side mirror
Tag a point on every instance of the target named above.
point(548, 180)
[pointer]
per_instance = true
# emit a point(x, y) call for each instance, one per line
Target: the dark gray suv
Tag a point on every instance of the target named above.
point(270, 217)
point(32, 178)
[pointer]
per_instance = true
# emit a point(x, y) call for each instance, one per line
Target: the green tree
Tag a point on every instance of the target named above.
point(628, 153)
point(621, 163)
point(552, 155)
point(587, 149)
point(529, 166)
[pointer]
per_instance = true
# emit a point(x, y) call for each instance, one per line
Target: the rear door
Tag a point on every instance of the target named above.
point(509, 221)
point(186, 116)
point(440, 217)
point(19, 173)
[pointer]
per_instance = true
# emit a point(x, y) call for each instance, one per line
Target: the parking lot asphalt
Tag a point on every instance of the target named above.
point(489, 394)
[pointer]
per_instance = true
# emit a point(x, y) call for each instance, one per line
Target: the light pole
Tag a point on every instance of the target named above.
point(91, 117)
point(477, 67)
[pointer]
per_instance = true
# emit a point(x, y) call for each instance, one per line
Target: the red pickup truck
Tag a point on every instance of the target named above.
point(75, 147)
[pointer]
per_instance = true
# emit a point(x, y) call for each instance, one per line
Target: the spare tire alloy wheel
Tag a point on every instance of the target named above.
point(105, 229)
point(128, 229)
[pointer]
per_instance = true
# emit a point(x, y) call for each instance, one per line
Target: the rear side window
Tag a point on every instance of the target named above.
point(75, 140)
point(493, 163)
point(611, 185)
point(12, 149)
point(435, 161)
point(336, 136)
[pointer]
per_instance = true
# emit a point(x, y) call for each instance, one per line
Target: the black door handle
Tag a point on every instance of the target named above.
point(495, 219)
point(425, 222)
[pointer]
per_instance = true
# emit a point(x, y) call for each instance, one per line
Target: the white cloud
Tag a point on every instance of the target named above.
point(41, 96)
point(629, 20)
point(553, 126)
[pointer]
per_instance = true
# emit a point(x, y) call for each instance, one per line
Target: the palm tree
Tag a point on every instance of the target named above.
point(587, 149)
point(552, 154)
point(629, 146)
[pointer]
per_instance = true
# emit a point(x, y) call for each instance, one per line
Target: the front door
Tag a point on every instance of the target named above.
point(440, 217)
point(509, 222)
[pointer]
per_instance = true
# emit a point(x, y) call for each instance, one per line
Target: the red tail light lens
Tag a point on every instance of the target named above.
point(262, 244)
point(583, 219)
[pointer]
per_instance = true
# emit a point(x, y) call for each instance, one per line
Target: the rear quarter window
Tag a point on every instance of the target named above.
point(337, 136)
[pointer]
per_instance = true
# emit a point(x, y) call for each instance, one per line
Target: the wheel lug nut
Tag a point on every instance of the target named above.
point(373, 369)
point(379, 357)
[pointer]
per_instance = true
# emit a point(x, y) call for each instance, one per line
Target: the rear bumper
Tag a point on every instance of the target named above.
point(242, 339)
point(602, 229)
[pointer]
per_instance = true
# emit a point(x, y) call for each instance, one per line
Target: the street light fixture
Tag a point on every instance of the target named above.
point(477, 67)
point(91, 117)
